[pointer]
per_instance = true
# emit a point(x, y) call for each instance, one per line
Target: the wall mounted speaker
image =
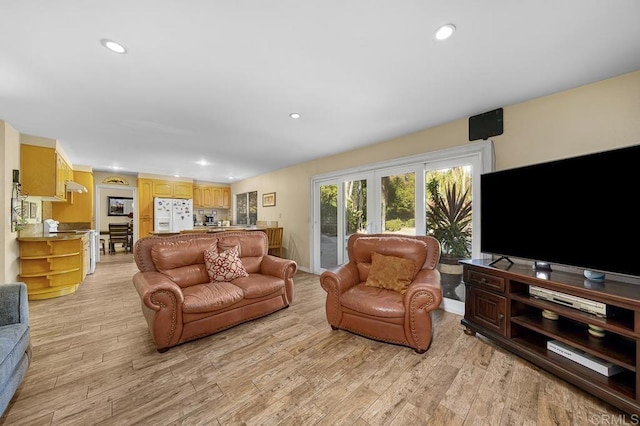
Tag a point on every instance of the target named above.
point(485, 125)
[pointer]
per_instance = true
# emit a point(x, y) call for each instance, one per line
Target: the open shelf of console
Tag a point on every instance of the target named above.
point(500, 306)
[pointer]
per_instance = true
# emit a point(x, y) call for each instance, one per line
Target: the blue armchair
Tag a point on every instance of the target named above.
point(15, 340)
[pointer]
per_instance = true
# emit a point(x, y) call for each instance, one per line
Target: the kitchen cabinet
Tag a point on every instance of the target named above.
point(148, 189)
point(44, 172)
point(145, 207)
point(169, 189)
point(222, 197)
point(53, 266)
point(78, 207)
point(211, 196)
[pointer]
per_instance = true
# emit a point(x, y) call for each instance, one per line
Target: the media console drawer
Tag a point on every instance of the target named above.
point(481, 279)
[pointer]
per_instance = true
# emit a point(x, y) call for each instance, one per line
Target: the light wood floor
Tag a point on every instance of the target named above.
point(94, 363)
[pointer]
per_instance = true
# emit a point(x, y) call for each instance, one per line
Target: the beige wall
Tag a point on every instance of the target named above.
point(595, 117)
point(9, 160)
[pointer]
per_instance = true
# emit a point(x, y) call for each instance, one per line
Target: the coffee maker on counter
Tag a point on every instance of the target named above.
point(210, 219)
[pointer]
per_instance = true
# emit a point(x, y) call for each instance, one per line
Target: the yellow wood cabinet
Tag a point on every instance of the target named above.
point(209, 196)
point(169, 189)
point(78, 207)
point(145, 207)
point(53, 267)
point(44, 172)
point(148, 189)
point(197, 196)
point(222, 197)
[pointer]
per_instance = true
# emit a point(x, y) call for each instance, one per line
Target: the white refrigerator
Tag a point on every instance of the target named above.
point(172, 214)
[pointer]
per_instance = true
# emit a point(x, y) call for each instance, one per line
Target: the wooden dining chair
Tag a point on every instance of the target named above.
point(274, 235)
point(118, 234)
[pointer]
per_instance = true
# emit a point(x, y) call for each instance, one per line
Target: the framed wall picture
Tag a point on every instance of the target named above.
point(119, 206)
point(33, 210)
point(269, 199)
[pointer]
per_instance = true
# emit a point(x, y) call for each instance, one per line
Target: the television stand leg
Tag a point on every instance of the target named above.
point(501, 258)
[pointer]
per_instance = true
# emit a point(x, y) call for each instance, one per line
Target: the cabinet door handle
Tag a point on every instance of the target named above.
point(483, 280)
point(500, 317)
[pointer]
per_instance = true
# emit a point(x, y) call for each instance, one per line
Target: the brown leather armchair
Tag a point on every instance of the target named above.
point(380, 313)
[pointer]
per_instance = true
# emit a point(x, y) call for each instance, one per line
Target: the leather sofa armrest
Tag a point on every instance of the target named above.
point(162, 307)
point(335, 282)
point(277, 267)
point(340, 279)
point(281, 268)
point(423, 296)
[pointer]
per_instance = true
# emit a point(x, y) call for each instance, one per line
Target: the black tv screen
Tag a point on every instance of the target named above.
point(576, 212)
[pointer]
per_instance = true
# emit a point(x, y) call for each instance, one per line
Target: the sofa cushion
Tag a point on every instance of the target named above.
point(210, 297)
point(224, 266)
point(183, 261)
point(388, 304)
point(259, 285)
point(14, 340)
point(406, 248)
point(390, 272)
point(253, 247)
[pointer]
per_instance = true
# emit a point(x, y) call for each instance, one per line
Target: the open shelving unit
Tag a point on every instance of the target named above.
point(499, 306)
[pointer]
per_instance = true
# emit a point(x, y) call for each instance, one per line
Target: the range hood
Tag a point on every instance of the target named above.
point(75, 187)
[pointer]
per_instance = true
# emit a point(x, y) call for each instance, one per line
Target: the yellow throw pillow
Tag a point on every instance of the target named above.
point(390, 272)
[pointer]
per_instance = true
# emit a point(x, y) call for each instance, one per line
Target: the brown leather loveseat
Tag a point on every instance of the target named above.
point(182, 302)
point(387, 290)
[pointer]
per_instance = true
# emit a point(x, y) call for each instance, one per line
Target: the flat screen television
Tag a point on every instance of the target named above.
point(578, 212)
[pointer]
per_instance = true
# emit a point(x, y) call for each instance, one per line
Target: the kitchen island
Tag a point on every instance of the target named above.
point(54, 265)
point(209, 230)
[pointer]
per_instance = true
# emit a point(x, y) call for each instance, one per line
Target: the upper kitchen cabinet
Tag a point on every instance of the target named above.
point(211, 196)
point(43, 169)
point(79, 207)
point(222, 197)
point(171, 189)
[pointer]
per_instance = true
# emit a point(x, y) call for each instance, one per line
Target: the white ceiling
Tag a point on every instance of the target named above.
point(216, 80)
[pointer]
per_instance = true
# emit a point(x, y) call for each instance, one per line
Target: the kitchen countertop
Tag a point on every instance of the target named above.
point(64, 235)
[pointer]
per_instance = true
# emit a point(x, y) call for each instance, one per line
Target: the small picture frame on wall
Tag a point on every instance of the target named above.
point(25, 210)
point(33, 210)
point(269, 199)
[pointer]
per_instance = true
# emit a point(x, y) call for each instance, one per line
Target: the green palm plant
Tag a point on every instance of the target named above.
point(449, 218)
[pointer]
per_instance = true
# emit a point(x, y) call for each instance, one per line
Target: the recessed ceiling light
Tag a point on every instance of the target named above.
point(445, 31)
point(116, 168)
point(294, 115)
point(231, 178)
point(113, 46)
point(176, 175)
point(203, 163)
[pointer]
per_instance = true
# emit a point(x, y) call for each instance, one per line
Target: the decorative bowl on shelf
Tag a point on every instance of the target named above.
point(593, 275)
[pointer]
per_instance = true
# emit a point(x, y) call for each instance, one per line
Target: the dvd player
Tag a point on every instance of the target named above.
point(585, 305)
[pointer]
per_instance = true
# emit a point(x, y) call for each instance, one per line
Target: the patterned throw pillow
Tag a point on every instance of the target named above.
point(224, 266)
point(390, 272)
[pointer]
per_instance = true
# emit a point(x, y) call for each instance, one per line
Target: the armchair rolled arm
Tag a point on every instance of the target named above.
point(161, 305)
point(423, 296)
point(14, 305)
point(335, 282)
point(340, 279)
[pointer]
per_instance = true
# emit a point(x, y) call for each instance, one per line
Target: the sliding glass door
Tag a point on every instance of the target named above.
point(435, 196)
